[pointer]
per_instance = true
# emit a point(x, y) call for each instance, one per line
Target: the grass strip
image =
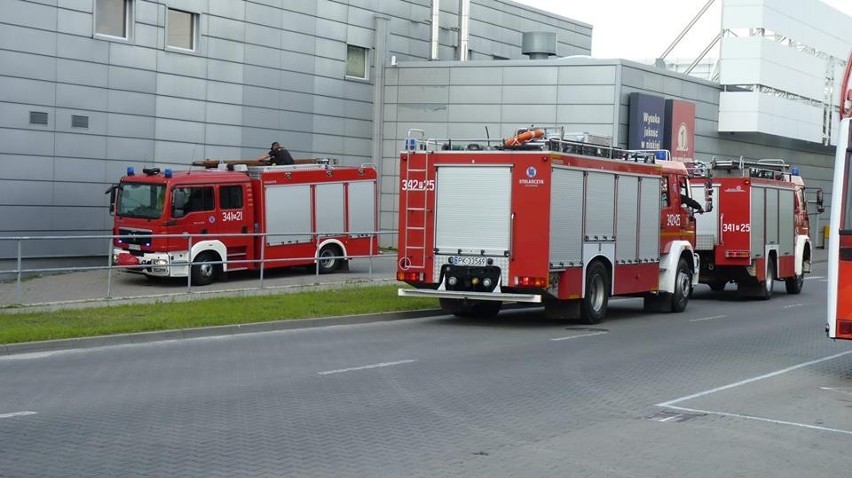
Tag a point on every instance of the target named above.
point(123, 319)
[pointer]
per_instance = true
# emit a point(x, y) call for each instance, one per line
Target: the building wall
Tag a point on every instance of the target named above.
point(584, 95)
point(264, 70)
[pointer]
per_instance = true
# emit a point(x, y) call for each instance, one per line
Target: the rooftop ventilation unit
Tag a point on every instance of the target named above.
point(539, 45)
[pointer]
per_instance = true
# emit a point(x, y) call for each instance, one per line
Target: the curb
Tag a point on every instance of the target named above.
point(217, 331)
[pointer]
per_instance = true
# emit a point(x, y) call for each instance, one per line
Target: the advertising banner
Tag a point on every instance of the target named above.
point(680, 130)
point(645, 129)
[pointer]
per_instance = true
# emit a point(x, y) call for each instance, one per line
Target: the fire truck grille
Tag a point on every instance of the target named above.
point(133, 236)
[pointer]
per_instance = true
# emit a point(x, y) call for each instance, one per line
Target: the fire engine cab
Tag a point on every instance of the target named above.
point(758, 231)
point(233, 216)
point(544, 218)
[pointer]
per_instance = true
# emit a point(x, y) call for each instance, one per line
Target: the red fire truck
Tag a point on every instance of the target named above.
point(208, 221)
point(543, 219)
point(758, 230)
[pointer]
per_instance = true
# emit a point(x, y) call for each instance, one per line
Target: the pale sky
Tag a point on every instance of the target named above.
point(643, 29)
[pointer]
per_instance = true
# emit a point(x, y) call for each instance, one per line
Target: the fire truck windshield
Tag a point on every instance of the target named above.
point(141, 200)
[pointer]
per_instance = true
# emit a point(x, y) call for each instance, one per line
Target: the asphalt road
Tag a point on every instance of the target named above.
point(728, 388)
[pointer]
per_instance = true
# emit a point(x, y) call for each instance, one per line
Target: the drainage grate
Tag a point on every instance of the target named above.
point(673, 416)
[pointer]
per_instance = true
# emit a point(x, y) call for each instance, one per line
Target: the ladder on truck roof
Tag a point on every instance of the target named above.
point(416, 202)
point(777, 169)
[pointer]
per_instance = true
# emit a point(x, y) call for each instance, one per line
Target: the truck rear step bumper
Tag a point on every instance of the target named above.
point(454, 294)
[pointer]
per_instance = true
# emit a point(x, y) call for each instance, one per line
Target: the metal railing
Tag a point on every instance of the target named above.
point(19, 274)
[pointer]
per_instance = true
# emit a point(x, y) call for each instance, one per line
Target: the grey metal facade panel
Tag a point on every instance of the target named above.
point(180, 108)
point(772, 216)
point(329, 208)
point(21, 90)
point(80, 146)
point(566, 223)
point(74, 23)
point(129, 102)
point(483, 223)
point(361, 207)
point(128, 149)
point(599, 207)
point(649, 219)
point(28, 65)
point(758, 221)
point(175, 130)
point(586, 94)
point(35, 193)
point(627, 219)
point(129, 79)
point(292, 223)
point(23, 142)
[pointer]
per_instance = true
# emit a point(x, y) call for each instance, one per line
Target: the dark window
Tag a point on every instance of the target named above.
point(194, 199)
point(79, 121)
point(231, 197)
point(38, 117)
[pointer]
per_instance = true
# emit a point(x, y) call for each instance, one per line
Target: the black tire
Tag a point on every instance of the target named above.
point(717, 285)
point(464, 308)
point(794, 284)
point(203, 272)
point(766, 286)
point(683, 286)
point(329, 259)
point(452, 306)
point(595, 300)
point(485, 309)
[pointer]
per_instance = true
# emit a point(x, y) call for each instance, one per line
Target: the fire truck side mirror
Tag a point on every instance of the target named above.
point(112, 194)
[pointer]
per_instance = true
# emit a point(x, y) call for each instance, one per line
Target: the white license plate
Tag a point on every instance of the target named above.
point(134, 247)
point(467, 261)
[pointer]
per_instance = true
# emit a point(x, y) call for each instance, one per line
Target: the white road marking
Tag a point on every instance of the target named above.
point(708, 318)
point(557, 339)
point(16, 414)
point(793, 305)
point(814, 277)
point(761, 419)
point(671, 403)
point(843, 390)
point(365, 367)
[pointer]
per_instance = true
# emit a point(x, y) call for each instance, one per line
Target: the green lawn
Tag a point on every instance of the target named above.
point(73, 323)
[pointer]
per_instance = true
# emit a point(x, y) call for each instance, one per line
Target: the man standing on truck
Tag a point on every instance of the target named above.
point(278, 155)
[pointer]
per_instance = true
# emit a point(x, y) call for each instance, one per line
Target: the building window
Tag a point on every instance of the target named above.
point(181, 30)
point(112, 17)
point(356, 62)
point(78, 121)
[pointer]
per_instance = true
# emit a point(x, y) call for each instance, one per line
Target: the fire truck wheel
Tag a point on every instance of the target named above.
point(203, 272)
point(718, 285)
point(329, 260)
point(596, 299)
point(794, 284)
point(765, 291)
point(683, 287)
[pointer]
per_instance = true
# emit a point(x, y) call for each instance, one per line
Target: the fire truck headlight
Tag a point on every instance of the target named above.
point(486, 282)
point(452, 281)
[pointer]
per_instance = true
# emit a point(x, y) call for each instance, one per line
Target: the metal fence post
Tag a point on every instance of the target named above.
point(262, 257)
point(109, 269)
point(18, 291)
point(189, 264)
